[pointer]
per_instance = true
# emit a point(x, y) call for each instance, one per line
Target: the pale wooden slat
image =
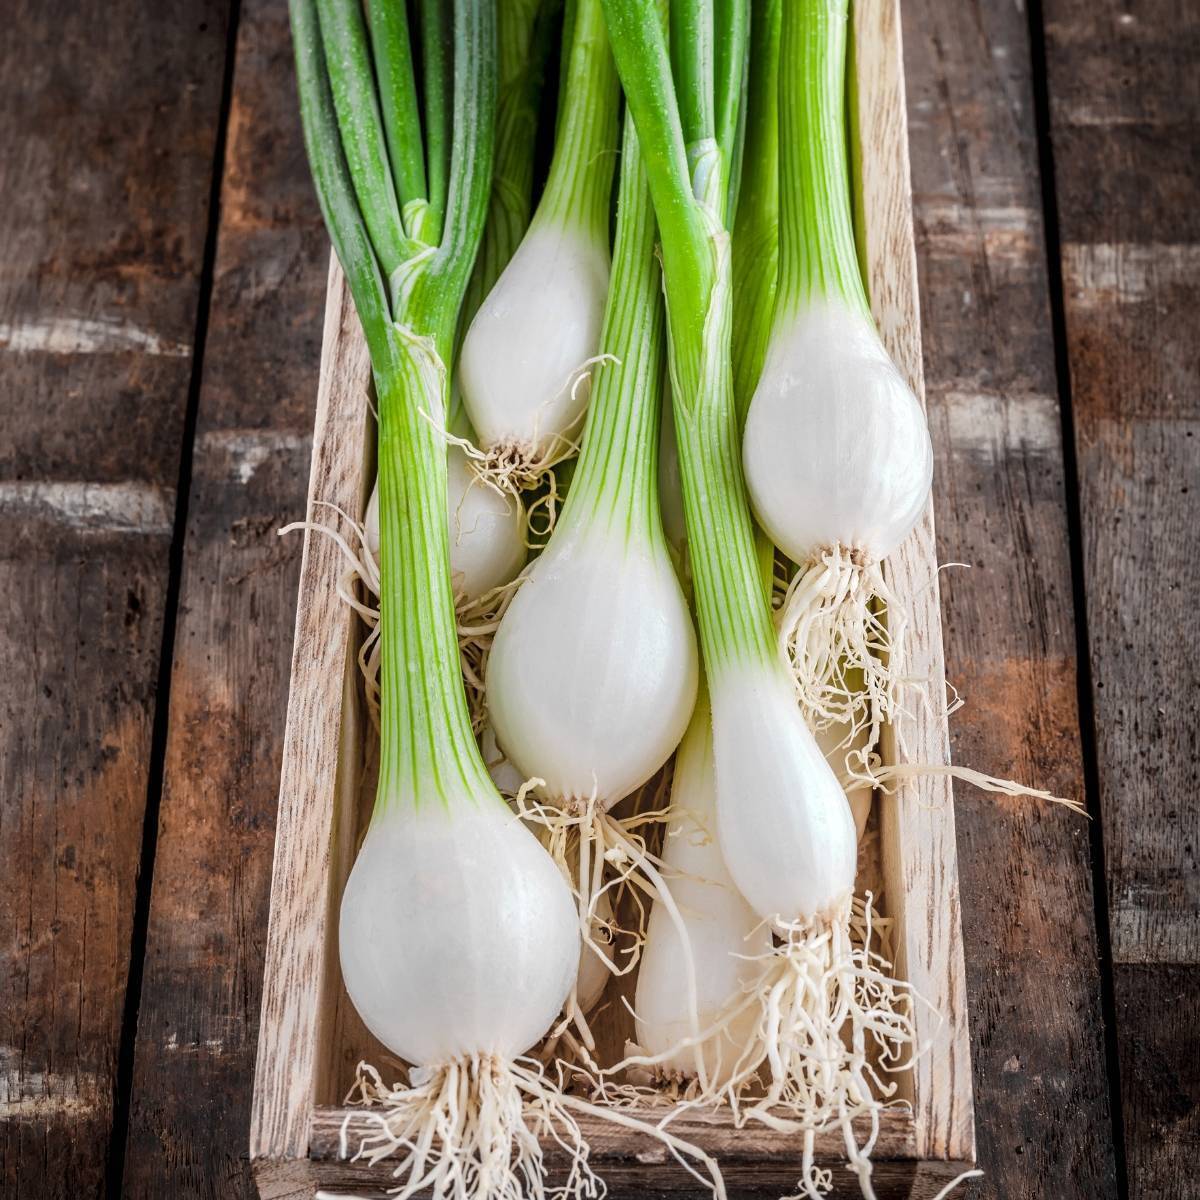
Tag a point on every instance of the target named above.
point(754, 1161)
point(917, 823)
point(299, 966)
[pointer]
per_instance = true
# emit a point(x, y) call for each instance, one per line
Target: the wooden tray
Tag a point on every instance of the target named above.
point(310, 1039)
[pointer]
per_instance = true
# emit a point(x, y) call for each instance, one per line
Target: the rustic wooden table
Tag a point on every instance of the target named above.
point(162, 273)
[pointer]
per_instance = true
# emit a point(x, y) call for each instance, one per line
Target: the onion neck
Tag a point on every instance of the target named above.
point(427, 750)
point(734, 617)
point(818, 257)
point(756, 228)
point(579, 187)
point(521, 58)
point(616, 478)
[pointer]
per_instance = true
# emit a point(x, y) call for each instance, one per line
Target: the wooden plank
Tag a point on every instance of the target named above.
point(1125, 122)
point(755, 1161)
point(313, 840)
point(919, 860)
point(1028, 915)
point(198, 1018)
point(1158, 1012)
point(109, 114)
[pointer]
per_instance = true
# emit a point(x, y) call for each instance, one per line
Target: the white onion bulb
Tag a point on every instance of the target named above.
point(785, 828)
point(728, 939)
point(836, 448)
point(505, 776)
point(487, 530)
point(458, 934)
point(592, 673)
point(537, 328)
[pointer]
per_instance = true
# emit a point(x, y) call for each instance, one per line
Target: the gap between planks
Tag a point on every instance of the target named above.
point(123, 1081)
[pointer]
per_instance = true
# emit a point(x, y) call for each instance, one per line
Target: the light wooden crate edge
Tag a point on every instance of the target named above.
point(920, 854)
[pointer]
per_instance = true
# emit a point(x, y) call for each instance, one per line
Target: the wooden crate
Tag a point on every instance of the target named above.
point(310, 1038)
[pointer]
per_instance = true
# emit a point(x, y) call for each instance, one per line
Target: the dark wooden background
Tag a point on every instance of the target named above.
point(162, 269)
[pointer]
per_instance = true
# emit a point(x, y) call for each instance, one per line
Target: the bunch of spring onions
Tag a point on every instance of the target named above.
point(458, 937)
point(704, 342)
point(785, 829)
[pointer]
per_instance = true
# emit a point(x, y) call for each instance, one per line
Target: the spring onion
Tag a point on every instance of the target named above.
point(722, 944)
point(458, 936)
point(837, 454)
point(699, 1052)
point(592, 674)
point(487, 528)
point(523, 369)
point(755, 285)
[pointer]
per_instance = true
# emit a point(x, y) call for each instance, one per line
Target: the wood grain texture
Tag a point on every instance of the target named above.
point(108, 119)
point(1158, 1009)
point(920, 867)
point(754, 1161)
point(1028, 912)
point(300, 979)
point(1125, 126)
point(198, 1015)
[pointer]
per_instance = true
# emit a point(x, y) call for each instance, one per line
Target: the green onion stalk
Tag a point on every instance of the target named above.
point(488, 529)
point(524, 36)
point(723, 937)
point(783, 823)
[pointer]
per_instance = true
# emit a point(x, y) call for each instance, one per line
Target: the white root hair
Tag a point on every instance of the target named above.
point(601, 854)
point(478, 621)
point(361, 568)
point(514, 468)
point(867, 767)
point(472, 1129)
point(835, 1027)
point(842, 634)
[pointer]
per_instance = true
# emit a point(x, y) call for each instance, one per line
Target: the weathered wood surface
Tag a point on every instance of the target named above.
point(102, 246)
point(199, 1005)
point(1124, 95)
point(1028, 918)
point(108, 120)
point(755, 1161)
point(919, 858)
